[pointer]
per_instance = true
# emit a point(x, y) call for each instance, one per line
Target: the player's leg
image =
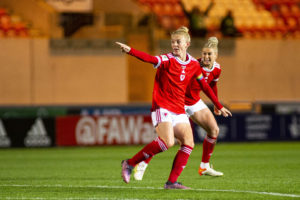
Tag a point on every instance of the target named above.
point(183, 133)
point(140, 169)
point(165, 139)
point(206, 120)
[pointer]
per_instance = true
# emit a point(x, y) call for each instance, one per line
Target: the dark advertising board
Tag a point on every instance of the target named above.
point(254, 127)
point(131, 129)
point(27, 132)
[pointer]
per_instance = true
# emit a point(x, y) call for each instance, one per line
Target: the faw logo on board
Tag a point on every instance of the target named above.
point(104, 130)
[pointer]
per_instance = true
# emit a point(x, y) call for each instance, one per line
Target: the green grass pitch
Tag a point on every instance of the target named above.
point(267, 170)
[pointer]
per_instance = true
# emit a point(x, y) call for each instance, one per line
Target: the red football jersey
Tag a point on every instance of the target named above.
point(193, 90)
point(171, 80)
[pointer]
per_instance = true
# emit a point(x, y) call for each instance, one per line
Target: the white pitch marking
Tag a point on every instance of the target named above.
point(71, 198)
point(155, 188)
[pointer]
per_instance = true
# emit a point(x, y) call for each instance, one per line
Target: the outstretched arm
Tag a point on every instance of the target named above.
point(209, 92)
point(138, 54)
point(214, 87)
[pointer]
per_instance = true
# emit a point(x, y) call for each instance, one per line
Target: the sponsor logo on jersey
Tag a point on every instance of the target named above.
point(37, 135)
point(164, 58)
point(4, 140)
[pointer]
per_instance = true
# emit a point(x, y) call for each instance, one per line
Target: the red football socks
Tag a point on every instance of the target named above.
point(208, 148)
point(148, 159)
point(151, 149)
point(180, 162)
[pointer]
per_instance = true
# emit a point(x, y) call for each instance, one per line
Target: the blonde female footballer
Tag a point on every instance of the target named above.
point(174, 72)
point(198, 111)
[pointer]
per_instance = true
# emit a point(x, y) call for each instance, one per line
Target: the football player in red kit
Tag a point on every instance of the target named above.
point(197, 110)
point(174, 72)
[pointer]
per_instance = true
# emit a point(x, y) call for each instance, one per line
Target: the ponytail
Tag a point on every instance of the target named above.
point(183, 31)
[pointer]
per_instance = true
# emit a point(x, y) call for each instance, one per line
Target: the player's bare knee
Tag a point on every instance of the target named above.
point(214, 132)
point(191, 144)
point(188, 141)
point(169, 142)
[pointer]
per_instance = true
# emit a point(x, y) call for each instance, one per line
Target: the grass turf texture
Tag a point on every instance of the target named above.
point(95, 173)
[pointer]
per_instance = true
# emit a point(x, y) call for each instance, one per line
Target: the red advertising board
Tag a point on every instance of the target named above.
point(104, 130)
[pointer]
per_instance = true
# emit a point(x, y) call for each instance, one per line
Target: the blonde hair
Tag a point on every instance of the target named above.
point(183, 31)
point(212, 42)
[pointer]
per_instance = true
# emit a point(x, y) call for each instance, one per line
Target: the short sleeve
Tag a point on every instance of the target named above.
point(159, 62)
point(162, 59)
point(216, 77)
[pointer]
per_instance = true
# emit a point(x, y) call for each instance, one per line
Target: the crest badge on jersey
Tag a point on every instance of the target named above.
point(182, 77)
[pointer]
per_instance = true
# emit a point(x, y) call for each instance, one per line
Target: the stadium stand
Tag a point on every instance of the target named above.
point(169, 13)
point(269, 19)
point(14, 26)
point(43, 63)
point(253, 18)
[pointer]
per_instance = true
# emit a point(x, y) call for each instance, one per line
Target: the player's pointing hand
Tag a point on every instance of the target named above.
point(123, 47)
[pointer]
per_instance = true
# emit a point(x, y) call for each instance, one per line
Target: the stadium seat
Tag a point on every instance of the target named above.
point(169, 13)
point(249, 15)
point(13, 26)
point(286, 14)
